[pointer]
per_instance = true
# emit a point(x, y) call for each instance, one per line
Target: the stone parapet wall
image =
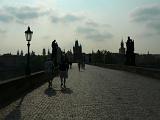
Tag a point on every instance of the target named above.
point(12, 88)
point(154, 73)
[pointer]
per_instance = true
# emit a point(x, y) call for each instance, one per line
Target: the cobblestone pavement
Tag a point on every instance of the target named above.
point(93, 94)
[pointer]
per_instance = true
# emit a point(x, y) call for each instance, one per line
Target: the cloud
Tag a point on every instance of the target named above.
point(26, 12)
point(21, 14)
point(84, 26)
point(5, 17)
point(86, 30)
point(95, 24)
point(72, 18)
point(2, 31)
point(148, 15)
point(68, 18)
point(94, 33)
point(99, 36)
point(21, 22)
point(46, 37)
point(155, 25)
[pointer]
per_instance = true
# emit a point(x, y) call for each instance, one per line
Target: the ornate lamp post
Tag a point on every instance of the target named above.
point(28, 34)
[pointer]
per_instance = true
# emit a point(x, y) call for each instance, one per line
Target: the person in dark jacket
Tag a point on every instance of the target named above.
point(63, 73)
point(79, 66)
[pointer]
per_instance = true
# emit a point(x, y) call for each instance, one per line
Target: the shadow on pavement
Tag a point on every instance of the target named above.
point(50, 92)
point(15, 114)
point(67, 91)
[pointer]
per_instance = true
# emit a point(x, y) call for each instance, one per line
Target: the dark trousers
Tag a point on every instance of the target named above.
point(49, 79)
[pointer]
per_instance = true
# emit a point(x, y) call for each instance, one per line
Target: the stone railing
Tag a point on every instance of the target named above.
point(14, 88)
point(150, 72)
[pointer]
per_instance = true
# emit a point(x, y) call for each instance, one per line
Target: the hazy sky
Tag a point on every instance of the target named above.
point(97, 24)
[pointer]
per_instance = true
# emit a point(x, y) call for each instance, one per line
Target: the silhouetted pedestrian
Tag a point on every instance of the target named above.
point(67, 63)
point(63, 73)
point(70, 64)
point(49, 71)
point(79, 66)
point(83, 65)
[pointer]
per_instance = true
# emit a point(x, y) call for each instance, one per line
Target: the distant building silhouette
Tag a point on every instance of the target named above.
point(21, 53)
point(49, 52)
point(130, 55)
point(69, 56)
point(18, 53)
point(44, 52)
point(122, 49)
point(7, 54)
point(33, 53)
point(77, 51)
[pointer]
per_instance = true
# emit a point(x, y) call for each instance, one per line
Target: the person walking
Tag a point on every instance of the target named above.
point(63, 73)
point(49, 71)
point(67, 62)
point(70, 64)
point(83, 65)
point(79, 66)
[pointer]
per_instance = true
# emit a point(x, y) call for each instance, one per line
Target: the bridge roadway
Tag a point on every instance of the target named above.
point(93, 94)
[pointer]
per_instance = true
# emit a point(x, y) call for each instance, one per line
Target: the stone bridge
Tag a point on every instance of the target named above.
point(92, 94)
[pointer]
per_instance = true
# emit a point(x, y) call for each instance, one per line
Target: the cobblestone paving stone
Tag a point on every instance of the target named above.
point(93, 94)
